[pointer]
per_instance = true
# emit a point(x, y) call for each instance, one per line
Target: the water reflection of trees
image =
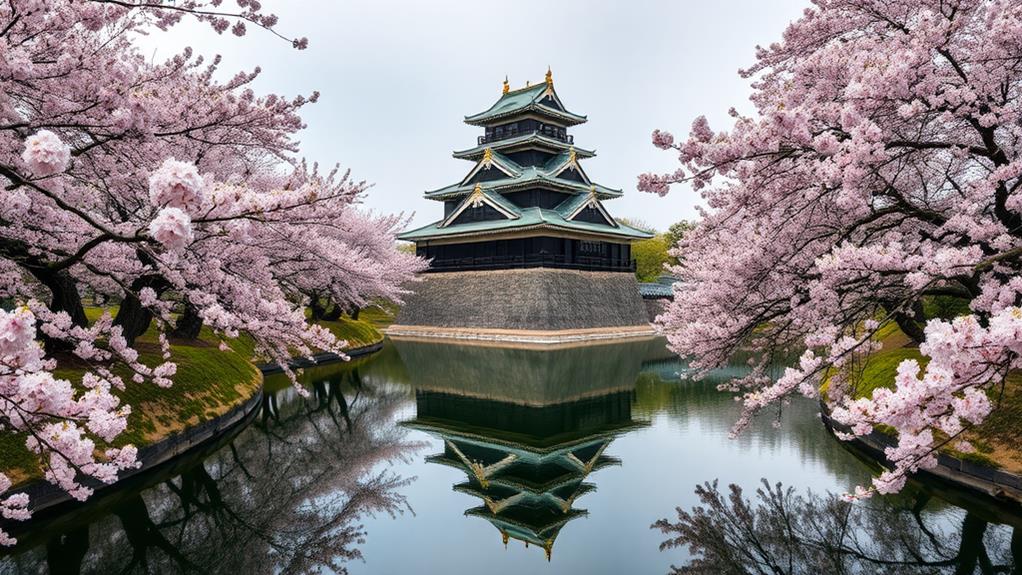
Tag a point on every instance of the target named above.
point(287, 496)
point(781, 532)
point(660, 392)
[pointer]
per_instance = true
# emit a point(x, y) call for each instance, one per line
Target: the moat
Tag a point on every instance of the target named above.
point(439, 458)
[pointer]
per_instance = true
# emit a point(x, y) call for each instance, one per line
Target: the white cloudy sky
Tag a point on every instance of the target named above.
point(397, 77)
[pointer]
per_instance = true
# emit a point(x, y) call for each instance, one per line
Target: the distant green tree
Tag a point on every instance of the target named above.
point(650, 256)
point(674, 234)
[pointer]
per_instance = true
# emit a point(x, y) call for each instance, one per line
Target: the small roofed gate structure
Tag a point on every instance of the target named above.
point(525, 204)
point(656, 295)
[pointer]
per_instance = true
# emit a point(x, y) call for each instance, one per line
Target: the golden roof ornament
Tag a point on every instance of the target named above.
point(549, 77)
point(572, 158)
point(507, 87)
point(487, 155)
point(477, 201)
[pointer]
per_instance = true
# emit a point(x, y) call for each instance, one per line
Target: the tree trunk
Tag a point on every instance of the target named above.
point(355, 310)
point(334, 314)
point(133, 317)
point(189, 324)
point(911, 323)
point(64, 297)
point(316, 309)
point(62, 286)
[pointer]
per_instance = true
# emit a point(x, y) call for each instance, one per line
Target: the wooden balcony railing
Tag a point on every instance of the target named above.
point(507, 134)
point(532, 261)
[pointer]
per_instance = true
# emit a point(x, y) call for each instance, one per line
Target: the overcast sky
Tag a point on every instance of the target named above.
point(397, 78)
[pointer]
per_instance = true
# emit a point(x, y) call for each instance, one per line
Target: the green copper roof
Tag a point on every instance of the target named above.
point(524, 141)
point(524, 100)
point(529, 218)
point(568, 206)
point(656, 290)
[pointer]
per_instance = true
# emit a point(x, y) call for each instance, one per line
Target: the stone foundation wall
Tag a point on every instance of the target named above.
point(529, 299)
point(654, 307)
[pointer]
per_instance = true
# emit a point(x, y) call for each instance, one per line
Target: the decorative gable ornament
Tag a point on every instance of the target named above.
point(476, 201)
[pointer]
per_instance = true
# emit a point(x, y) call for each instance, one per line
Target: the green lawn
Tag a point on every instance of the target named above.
point(357, 333)
point(995, 440)
point(366, 330)
point(208, 383)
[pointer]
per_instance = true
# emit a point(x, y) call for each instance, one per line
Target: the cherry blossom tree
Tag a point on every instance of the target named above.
point(155, 185)
point(881, 168)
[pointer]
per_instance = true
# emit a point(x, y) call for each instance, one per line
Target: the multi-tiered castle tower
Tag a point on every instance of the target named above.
point(525, 243)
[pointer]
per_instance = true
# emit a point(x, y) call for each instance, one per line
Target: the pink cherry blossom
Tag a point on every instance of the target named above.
point(172, 228)
point(176, 185)
point(663, 140)
point(45, 154)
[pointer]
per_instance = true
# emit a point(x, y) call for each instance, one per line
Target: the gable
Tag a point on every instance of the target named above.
point(486, 174)
point(551, 102)
point(483, 213)
point(572, 176)
point(476, 204)
point(593, 215)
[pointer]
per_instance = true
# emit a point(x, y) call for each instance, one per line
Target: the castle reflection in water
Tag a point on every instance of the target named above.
point(528, 427)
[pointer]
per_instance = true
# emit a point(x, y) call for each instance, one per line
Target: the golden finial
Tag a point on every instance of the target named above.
point(572, 158)
point(548, 546)
point(487, 155)
point(507, 88)
point(504, 537)
point(549, 76)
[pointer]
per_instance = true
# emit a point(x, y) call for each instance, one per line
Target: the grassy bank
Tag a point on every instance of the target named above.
point(363, 331)
point(995, 440)
point(208, 383)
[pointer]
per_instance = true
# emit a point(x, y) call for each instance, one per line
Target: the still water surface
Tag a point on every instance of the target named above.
point(439, 458)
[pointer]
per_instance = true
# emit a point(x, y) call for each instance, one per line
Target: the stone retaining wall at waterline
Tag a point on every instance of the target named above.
point(961, 473)
point(44, 494)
